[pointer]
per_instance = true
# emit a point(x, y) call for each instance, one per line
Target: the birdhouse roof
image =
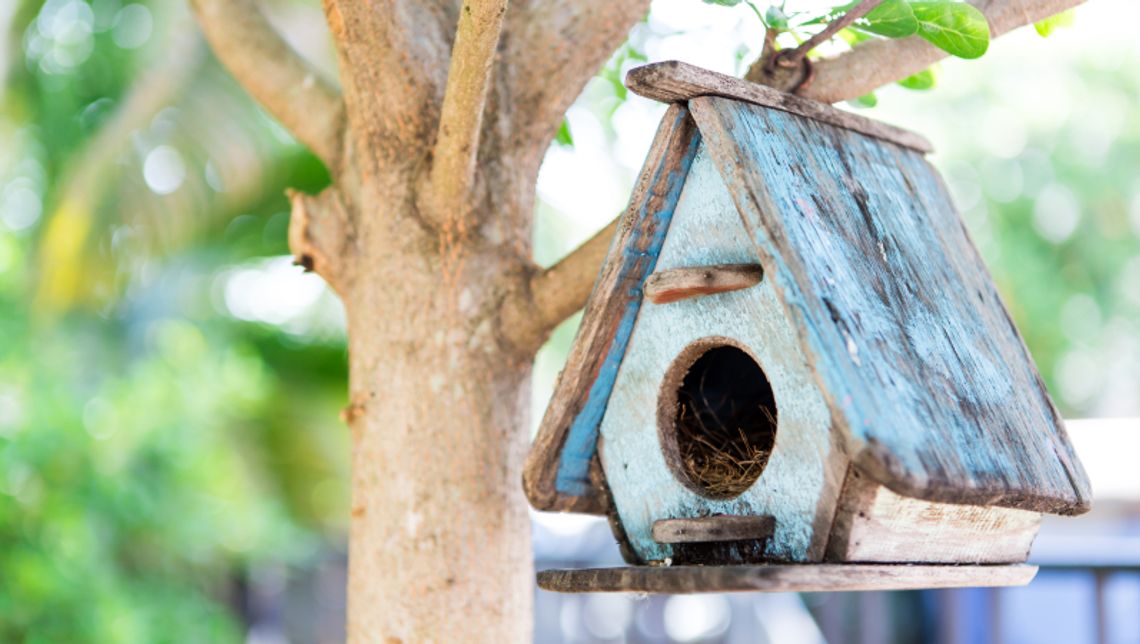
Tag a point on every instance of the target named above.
point(927, 380)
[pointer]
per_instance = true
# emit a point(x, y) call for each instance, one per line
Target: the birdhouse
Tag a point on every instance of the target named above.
point(793, 355)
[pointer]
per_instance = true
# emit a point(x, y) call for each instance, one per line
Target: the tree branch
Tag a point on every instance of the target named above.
point(464, 100)
point(393, 60)
point(552, 295)
point(274, 74)
point(554, 47)
point(875, 63)
point(832, 28)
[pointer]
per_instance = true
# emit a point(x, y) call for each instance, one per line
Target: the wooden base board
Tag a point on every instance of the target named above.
point(801, 578)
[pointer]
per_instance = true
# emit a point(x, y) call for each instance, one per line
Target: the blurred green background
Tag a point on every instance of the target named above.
point(170, 383)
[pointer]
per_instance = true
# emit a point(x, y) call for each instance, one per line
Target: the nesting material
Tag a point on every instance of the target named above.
point(726, 422)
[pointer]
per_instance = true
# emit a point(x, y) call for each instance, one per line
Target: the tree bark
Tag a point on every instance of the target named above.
point(440, 536)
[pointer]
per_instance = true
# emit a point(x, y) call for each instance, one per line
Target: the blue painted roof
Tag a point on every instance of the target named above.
point(927, 379)
point(918, 358)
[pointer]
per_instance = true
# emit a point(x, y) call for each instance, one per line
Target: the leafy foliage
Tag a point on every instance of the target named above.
point(954, 26)
point(156, 448)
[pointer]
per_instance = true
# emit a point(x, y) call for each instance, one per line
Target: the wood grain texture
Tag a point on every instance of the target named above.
point(668, 286)
point(874, 524)
point(800, 483)
point(674, 82)
point(925, 374)
point(802, 578)
point(556, 474)
point(715, 528)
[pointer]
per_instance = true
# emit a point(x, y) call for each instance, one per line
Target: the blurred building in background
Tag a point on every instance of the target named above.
point(171, 463)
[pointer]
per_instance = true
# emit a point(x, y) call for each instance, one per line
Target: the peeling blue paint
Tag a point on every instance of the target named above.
point(903, 326)
point(639, 258)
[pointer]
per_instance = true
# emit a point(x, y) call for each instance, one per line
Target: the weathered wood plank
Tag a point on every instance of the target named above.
point(663, 287)
point(715, 528)
point(873, 524)
point(800, 483)
point(556, 473)
point(676, 82)
point(800, 578)
point(926, 376)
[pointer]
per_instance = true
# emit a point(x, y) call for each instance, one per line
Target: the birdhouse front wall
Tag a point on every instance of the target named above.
point(800, 483)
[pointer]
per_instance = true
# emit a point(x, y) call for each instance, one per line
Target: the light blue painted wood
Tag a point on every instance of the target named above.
point(637, 260)
point(916, 355)
point(800, 484)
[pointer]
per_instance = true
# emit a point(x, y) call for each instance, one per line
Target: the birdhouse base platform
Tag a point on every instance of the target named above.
point(801, 578)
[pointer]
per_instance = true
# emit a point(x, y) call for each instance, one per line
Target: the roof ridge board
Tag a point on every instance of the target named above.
point(674, 81)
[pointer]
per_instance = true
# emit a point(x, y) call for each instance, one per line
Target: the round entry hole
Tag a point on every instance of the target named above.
point(719, 420)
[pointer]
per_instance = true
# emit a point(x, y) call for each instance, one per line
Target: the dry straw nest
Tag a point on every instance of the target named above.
point(724, 442)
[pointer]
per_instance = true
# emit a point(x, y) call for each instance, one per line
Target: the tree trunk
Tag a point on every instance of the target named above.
point(440, 536)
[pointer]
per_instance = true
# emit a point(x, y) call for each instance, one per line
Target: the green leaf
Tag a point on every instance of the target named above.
point(1052, 23)
point(775, 18)
point(867, 100)
point(924, 79)
point(957, 28)
point(892, 18)
point(564, 137)
point(724, 3)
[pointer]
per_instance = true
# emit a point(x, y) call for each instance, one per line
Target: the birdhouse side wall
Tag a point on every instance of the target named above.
point(800, 484)
point(875, 525)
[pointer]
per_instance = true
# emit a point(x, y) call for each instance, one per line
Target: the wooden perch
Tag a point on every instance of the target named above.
point(715, 528)
point(277, 77)
point(682, 283)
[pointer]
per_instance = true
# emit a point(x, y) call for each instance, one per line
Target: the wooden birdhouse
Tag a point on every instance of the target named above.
point(793, 354)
